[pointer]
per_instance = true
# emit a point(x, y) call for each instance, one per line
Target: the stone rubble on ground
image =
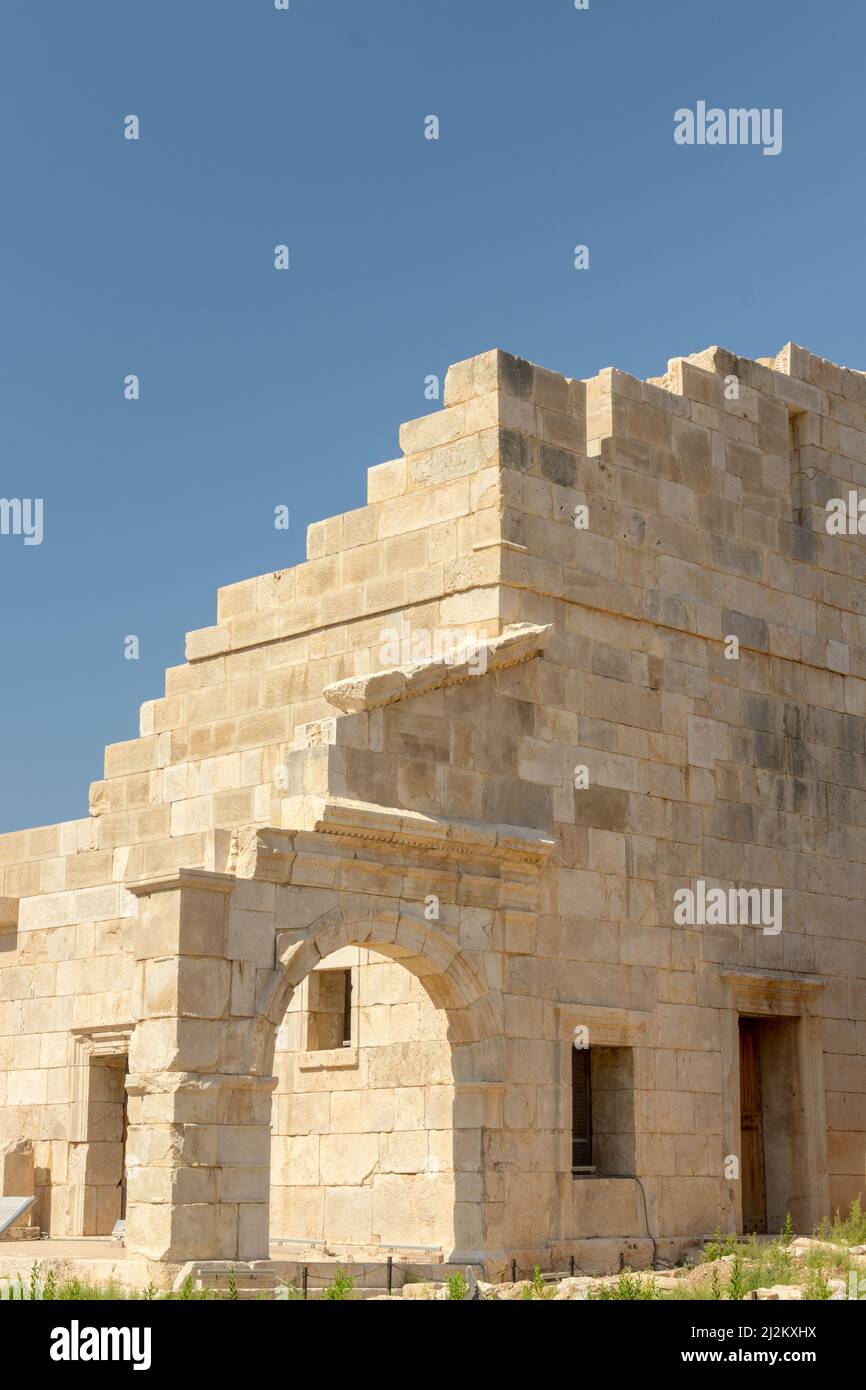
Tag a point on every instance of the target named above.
point(686, 1276)
point(785, 1293)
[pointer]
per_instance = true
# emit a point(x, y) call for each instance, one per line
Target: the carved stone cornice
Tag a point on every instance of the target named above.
point(772, 991)
point(519, 642)
point(610, 1026)
point(363, 820)
point(373, 849)
point(202, 879)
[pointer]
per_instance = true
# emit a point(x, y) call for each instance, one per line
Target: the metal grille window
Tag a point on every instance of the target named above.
point(581, 1108)
point(346, 1039)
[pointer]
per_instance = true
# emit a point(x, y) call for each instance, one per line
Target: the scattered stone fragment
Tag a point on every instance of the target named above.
point(784, 1293)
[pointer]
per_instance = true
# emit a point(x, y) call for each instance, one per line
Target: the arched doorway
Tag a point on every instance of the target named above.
point(387, 1065)
point(213, 985)
point(362, 1152)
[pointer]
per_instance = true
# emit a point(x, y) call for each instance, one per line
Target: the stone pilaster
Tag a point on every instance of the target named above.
point(198, 1148)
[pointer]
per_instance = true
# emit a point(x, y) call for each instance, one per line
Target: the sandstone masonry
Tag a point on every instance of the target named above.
point(314, 965)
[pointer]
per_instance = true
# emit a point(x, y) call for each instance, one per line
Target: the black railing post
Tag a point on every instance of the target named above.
point(514, 1271)
point(305, 1279)
point(390, 1272)
point(571, 1266)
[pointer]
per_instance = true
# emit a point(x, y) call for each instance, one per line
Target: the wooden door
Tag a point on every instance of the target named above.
point(752, 1129)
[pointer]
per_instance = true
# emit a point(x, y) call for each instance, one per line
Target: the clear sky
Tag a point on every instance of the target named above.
point(259, 387)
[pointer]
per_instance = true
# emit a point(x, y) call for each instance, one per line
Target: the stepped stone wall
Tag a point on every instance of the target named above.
point(659, 685)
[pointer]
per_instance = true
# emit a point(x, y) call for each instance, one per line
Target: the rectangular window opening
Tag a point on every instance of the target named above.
point(581, 1109)
point(329, 1021)
point(602, 1111)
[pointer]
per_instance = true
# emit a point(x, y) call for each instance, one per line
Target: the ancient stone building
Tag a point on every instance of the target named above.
point(399, 926)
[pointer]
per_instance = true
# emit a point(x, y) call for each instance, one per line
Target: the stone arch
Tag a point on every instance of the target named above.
point(452, 983)
point(201, 1059)
point(474, 1035)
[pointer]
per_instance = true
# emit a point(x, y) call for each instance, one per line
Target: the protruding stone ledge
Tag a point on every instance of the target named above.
point(518, 643)
point(610, 1026)
point(202, 879)
point(367, 821)
point(772, 991)
point(270, 853)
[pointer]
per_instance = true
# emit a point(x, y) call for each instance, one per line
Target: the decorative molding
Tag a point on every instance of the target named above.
point(772, 991)
point(205, 879)
point(108, 1040)
point(610, 1026)
point(84, 1043)
point(517, 643)
point(365, 820)
point(111, 1040)
point(809, 1074)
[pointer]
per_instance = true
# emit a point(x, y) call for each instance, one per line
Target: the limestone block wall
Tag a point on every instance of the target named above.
point(700, 502)
point(362, 1150)
point(65, 970)
point(706, 495)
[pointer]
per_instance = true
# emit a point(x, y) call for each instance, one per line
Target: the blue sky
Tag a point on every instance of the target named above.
point(261, 388)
